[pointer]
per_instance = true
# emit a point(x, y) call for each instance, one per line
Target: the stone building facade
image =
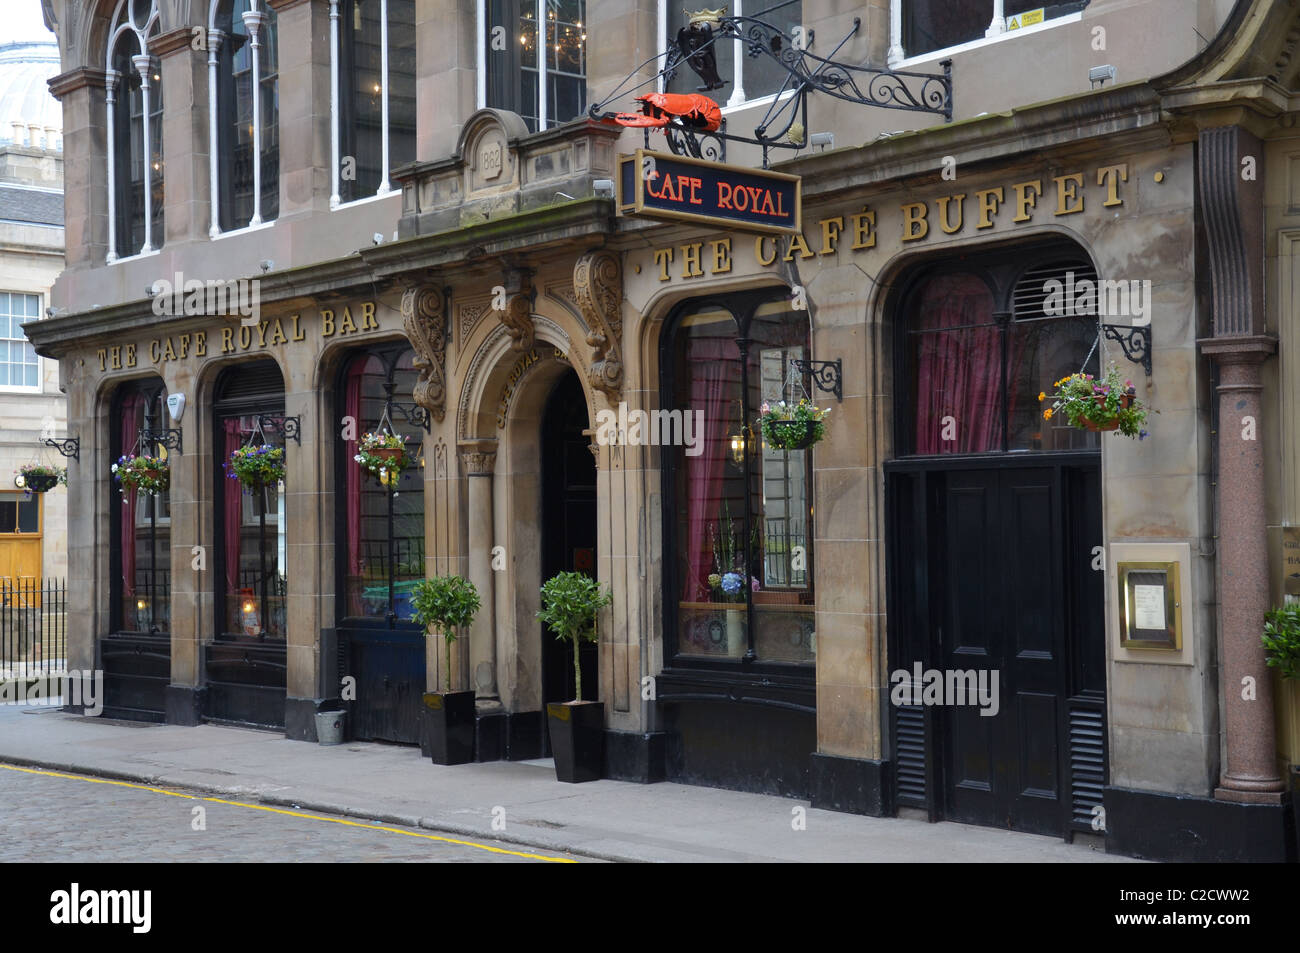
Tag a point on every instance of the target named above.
point(485, 297)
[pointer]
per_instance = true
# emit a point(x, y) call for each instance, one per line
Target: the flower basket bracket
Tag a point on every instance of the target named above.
point(827, 376)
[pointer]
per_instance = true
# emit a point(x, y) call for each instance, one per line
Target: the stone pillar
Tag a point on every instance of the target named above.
point(446, 74)
point(190, 606)
point(309, 507)
point(1249, 772)
point(184, 89)
point(85, 161)
point(478, 457)
point(302, 35)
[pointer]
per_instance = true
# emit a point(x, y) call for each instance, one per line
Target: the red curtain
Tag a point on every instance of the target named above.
point(958, 354)
point(232, 508)
point(352, 480)
point(713, 365)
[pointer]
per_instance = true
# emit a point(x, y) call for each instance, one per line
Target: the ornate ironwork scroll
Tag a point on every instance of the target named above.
point(1133, 340)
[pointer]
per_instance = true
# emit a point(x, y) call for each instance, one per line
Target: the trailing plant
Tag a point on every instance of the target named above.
point(448, 604)
point(793, 426)
point(570, 601)
point(38, 478)
point(256, 466)
point(1282, 640)
point(144, 472)
point(384, 455)
point(1109, 403)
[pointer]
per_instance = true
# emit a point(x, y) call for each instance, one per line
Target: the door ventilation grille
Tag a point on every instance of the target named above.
point(909, 734)
point(1087, 761)
point(1027, 301)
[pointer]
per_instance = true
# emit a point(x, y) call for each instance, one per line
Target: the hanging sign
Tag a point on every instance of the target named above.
point(655, 185)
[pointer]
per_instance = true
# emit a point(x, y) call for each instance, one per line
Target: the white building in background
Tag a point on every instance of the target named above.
point(33, 532)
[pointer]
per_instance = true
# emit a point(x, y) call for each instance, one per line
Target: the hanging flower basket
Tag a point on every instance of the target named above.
point(257, 466)
point(38, 478)
point(146, 473)
point(1097, 405)
point(792, 426)
point(384, 456)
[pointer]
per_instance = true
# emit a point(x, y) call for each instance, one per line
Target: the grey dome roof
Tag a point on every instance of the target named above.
point(24, 96)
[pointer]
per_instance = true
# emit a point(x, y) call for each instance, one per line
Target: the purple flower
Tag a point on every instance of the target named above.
point(731, 583)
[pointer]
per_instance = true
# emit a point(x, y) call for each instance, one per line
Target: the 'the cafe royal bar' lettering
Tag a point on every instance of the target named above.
point(239, 338)
point(1063, 195)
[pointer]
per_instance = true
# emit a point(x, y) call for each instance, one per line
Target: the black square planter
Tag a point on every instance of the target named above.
point(449, 726)
point(577, 740)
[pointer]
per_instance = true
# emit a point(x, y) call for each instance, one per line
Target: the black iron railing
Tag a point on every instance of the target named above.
point(33, 626)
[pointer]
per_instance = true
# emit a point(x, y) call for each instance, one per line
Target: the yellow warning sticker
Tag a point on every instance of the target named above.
point(1028, 18)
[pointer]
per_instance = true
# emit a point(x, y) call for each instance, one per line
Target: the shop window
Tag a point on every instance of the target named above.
point(975, 371)
point(141, 553)
point(381, 533)
point(20, 514)
point(750, 77)
point(374, 110)
point(544, 90)
point(245, 95)
point(741, 523)
point(930, 25)
point(253, 536)
point(19, 365)
point(135, 149)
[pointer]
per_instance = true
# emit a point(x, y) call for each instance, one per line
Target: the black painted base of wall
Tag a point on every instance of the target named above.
point(525, 735)
point(490, 735)
point(184, 705)
point(852, 785)
point(740, 747)
point(300, 717)
point(636, 756)
point(1172, 827)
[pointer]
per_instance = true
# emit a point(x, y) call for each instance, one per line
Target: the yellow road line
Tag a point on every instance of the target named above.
point(276, 810)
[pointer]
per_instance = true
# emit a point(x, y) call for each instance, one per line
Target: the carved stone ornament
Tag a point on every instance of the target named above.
point(517, 316)
point(424, 316)
point(598, 284)
point(478, 457)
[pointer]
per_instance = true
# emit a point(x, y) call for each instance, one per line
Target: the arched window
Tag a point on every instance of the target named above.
point(243, 102)
point(739, 510)
point(141, 523)
point(135, 154)
point(372, 43)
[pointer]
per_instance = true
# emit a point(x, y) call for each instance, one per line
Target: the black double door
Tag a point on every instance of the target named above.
point(1003, 558)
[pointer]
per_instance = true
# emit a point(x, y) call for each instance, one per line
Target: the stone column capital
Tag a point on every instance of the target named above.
point(173, 41)
point(78, 79)
point(478, 457)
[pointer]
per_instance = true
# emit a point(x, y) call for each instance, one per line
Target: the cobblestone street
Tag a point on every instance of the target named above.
point(52, 816)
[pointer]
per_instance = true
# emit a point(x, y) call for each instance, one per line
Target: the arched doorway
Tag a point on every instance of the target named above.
point(568, 526)
point(997, 652)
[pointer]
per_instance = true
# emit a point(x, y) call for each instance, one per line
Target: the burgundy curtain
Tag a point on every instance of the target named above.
point(131, 407)
point(713, 365)
point(958, 372)
point(352, 480)
point(232, 508)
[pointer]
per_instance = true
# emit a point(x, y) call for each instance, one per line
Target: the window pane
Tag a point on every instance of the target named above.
point(236, 117)
point(269, 65)
point(937, 24)
point(143, 561)
point(29, 514)
point(954, 354)
point(763, 75)
point(361, 82)
point(401, 82)
point(566, 59)
point(1041, 352)
point(8, 513)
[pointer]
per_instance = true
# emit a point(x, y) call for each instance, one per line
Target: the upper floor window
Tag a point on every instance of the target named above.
point(243, 95)
point(544, 89)
point(135, 153)
point(373, 45)
point(19, 365)
point(750, 77)
point(929, 25)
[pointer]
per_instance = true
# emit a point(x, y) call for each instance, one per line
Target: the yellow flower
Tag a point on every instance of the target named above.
point(1041, 396)
point(1047, 414)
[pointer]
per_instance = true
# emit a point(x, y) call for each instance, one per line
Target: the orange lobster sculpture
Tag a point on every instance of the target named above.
point(660, 109)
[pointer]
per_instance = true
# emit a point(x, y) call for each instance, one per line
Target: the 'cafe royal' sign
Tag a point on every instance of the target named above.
point(1061, 195)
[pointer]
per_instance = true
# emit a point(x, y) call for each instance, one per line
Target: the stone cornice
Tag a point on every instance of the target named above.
point(172, 41)
point(75, 79)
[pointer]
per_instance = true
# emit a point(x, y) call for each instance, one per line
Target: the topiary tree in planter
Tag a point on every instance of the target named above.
point(447, 604)
point(570, 601)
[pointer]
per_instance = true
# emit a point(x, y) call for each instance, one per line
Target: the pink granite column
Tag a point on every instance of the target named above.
point(1249, 772)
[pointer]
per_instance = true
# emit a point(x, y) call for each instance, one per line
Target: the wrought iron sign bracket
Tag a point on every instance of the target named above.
point(1134, 341)
point(68, 446)
point(414, 414)
point(169, 438)
point(826, 375)
point(291, 427)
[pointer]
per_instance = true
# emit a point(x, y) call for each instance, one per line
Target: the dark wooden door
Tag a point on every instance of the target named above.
point(999, 548)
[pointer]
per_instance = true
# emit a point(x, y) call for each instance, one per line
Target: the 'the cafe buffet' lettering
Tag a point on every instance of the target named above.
point(1061, 196)
point(238, 338)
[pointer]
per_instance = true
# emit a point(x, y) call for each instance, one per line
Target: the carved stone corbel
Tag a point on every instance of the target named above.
point(598, 285)
point(517, 315)
point(424, 316)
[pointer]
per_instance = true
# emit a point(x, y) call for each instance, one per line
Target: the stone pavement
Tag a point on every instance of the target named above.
point(611, 820)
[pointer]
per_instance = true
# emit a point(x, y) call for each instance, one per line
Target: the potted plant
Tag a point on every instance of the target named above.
point(447, 604)
point(384, 456)
point(38, 478)
point(792, 426)
point(1098, 405)
point(570, 601)
point(727, 585)
point(144, 472)
point(256, 467)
